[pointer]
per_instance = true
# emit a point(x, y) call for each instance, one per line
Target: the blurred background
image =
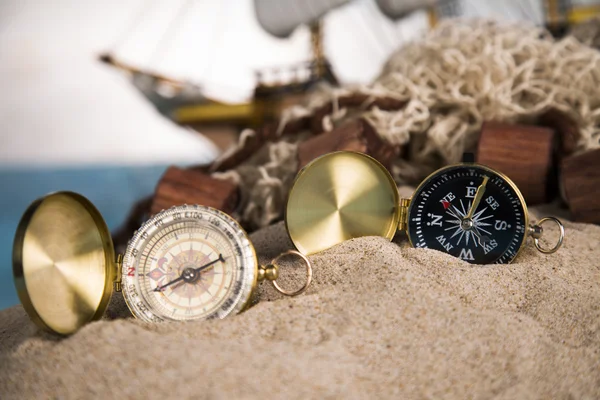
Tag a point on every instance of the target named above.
point(99, 97)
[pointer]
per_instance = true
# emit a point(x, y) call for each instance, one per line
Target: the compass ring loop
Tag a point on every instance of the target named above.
point(536, 240)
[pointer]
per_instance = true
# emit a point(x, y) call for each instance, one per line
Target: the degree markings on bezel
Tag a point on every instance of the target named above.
point(499, 190)
point(209, 220)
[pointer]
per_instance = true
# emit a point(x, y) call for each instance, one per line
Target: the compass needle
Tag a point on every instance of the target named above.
point(185, 263)
point(478, 196)
point(196, 262)
point(485, 216)
point(196, 240)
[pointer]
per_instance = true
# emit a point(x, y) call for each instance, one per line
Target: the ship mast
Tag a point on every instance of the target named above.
point(316, 37)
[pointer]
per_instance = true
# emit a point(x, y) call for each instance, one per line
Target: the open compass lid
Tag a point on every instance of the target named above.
point(340, 196)
point(63, 262)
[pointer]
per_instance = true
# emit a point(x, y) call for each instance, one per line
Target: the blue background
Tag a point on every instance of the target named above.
point(113, 190)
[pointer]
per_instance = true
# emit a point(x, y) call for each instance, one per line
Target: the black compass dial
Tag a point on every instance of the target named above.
point(470, 212)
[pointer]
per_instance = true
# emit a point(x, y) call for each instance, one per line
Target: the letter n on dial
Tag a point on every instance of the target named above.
point(471, 213)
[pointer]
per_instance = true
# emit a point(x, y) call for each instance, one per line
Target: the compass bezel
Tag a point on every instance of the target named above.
point(204, 216)
point(425, 183)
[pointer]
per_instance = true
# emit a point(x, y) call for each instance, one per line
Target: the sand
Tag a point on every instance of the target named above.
point(381, 320)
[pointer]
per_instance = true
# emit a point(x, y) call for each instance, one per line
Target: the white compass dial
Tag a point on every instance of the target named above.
point(186, 263)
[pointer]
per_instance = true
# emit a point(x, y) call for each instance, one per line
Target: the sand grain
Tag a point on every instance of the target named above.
point(381, 320)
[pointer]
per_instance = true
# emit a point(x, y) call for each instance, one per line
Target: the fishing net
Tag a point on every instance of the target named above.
point(460, 75)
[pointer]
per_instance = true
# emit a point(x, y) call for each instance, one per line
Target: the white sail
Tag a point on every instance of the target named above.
point(397, 9)
point(216, 44)
point(219, 45)
point(61, 107)
point(281, 17)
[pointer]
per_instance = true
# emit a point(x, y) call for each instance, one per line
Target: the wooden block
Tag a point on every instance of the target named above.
point(185, 186)
point(268, 132)
point(566, 129)
point(580, 183)
point(356, 135)
point(251, 145)
point(524, 154)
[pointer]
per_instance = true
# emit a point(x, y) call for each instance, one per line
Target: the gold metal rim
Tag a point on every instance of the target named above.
point(320, 182)
point(17, 261)
point(309, 273)
point(484, 167)
point(244, 302)
point(536, 241)
point(20, 269)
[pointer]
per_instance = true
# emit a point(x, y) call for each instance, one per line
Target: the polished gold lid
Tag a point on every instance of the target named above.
point(63, 262)
point(340, 196)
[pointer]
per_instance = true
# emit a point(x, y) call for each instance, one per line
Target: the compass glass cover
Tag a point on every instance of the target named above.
point(189, 263)
point(438, 217)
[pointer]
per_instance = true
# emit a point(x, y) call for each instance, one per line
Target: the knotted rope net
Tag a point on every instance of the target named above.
point(460, 75)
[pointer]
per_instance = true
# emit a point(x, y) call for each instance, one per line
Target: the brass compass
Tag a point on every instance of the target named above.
point(185, 263)
point(467, 210)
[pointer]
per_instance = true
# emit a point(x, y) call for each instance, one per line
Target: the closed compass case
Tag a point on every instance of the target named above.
point(63, 262)
point(340, 196)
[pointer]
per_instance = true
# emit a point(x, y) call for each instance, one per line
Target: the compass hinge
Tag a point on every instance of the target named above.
point(403, 222)
point(119, 265)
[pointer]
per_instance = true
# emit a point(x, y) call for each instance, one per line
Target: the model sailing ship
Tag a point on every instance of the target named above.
point(187, 103)
point(277, 87)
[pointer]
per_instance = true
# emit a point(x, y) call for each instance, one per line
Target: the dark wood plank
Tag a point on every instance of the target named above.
point(580, 183)
point(523, 153)
point(266, 133)
point(269, 132)
point(566, 129)
point(357, 135)
point(185, 186)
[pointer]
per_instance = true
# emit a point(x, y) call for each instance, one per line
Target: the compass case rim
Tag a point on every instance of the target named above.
point(149, 314)
point(468, 165)
point(383, 182)
point(101, 242)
